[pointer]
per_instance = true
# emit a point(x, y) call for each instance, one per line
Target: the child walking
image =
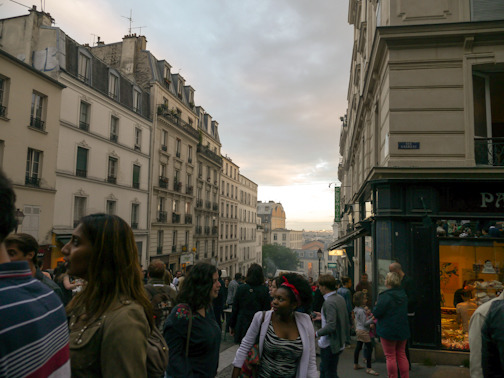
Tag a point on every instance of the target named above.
point(362, 328)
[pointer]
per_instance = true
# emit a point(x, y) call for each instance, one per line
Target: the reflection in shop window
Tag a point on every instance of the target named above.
point(471, 265)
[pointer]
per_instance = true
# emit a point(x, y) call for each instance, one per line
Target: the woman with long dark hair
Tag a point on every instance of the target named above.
point(191, 332)
point(251, 297)
point(286, 336)
point(111, 318)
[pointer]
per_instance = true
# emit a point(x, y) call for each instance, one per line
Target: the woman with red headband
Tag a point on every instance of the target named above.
point(286, 336)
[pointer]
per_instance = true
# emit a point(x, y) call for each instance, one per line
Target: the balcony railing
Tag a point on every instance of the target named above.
point(188, 219)
point(37, 123)
point(81, 172)
point(207, 230)
point(175, 120)
point(198, 230)
point(177, 185)
point(163, 182)
point(208, 204)
point(209, 154)
point(199, 203)
point(174, 248)
point(136, 185)
point(134, 225)
point(32, 181)
point(3, 111)
point(215, 230)
point(112, 179)
point(215, 207)
point(189, 190)
point(175, 218)
point(164, 147)
point(84, 126)
point(159, 250)
point(489, 151)
point(162, 216)
point(113, 138)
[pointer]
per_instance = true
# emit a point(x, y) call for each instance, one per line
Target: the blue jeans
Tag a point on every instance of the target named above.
point(329, 363)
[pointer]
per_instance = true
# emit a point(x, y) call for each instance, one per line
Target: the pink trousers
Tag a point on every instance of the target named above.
point(396, 356)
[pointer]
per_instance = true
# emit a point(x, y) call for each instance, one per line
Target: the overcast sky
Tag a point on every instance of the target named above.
point(273, 73)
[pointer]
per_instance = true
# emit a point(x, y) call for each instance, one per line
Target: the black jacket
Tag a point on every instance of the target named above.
point(391, 310)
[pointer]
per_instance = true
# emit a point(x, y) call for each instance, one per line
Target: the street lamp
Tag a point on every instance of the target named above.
point(319, 255)
point(19, 218)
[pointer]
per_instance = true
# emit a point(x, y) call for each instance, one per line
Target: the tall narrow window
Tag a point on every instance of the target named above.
point(85, 110)
point(136, 176)
point(177, 149)
point(137, 101)
point(112, 170)
point(3, 96)
point(37, 107)
point(135, 209)
point(164, 140)
point(84, 68)
point(113, 86)
point(111, 207)
point(79, 209)
point(138, 139)
point(33, 167)
point(189, 154)
point(174, 245)
point(160, 239)
point(82, 158)
point(114, 129)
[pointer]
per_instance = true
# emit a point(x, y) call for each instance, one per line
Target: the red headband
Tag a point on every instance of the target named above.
point(293, 289)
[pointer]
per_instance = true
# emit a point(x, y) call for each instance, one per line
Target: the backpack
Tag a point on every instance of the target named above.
point(161, 302)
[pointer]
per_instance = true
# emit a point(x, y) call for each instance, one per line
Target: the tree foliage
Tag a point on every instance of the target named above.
point(278, 257)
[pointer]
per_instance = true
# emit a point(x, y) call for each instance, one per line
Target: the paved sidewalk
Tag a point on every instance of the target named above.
point(345, 368)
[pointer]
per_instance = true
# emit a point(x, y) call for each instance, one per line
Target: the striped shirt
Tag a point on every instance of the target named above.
point(33, 327)
point(280, 356)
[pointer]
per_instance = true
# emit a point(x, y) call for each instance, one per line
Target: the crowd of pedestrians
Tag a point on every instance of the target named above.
point(101, 316)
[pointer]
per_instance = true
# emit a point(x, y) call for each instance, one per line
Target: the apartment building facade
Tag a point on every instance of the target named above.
point(103, 149)
point(228, 221)
point(29, 130)
point(421, 148)
point(248, 253)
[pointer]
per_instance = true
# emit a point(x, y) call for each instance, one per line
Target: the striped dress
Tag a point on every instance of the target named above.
point(33, 326)
point(280, 357)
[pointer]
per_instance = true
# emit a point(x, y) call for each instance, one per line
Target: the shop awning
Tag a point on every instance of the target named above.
point(363, 228)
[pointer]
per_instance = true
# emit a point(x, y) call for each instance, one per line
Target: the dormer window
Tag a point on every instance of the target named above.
point(167, 73)
point(113, 85)
point(137, 100)
point(84, 67)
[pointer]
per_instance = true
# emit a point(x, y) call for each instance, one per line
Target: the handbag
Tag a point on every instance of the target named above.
point(250, 366)
point(157, 354)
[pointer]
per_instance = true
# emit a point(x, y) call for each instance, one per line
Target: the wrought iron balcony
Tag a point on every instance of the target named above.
point(215, 230)
point(208, 204)
point(215, 206)
point(174, 248)
point(177, 185)
point(113, 138)
point(136, 184)
point(134, 225)
point(175, 120)
point(37, 123)
point(209, 154)
point(163, 182)
point(32, 181)
point(188, 219)
point(489, 151)
point(189, 190)
point(199, 203)
point(84, 126)
point(81, 172)
point(112, 179)
point(159, 250)
point(207, 230)
point(162, 216)
point(198, 230)
point(175, 218)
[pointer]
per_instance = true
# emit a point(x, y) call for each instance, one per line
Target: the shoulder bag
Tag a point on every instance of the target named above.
point(250, 366)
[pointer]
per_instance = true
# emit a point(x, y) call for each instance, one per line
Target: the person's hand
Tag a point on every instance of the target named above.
point(236, 372)
point(316, 315)
point(231, 331)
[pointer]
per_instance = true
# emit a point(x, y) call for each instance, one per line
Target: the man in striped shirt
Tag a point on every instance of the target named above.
point(33, 328)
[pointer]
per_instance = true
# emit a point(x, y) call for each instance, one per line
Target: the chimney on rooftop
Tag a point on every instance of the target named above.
point(99, 42)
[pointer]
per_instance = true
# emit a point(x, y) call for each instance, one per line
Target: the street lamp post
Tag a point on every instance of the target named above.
point(19, 218)
point(319, 255)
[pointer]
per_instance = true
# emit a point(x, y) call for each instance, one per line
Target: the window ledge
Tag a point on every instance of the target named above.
point(37, 130)
point(4, 118)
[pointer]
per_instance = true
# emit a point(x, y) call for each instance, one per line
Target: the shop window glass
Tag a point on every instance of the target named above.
point(471, 266)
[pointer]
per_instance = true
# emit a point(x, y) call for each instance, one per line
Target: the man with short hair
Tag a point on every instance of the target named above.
point(33, 324)
point(344, 291)
point(161, 296)
point(335, 331)
point(233, 285)
point(24, 247)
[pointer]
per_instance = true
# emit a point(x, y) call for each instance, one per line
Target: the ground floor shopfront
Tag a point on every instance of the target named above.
point(448, 237)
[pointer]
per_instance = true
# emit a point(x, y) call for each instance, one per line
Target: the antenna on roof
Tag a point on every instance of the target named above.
point(130, 18)
point(94, 36)
point(139, 27)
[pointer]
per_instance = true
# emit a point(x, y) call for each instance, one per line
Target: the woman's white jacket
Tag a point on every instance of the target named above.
point(307, 366)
